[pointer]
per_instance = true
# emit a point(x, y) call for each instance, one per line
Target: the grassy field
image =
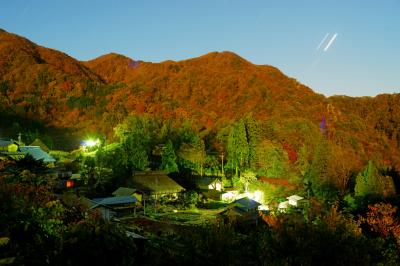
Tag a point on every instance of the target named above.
point(171, 220)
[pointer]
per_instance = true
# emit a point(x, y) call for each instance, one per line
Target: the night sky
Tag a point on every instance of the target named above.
point(357, 41)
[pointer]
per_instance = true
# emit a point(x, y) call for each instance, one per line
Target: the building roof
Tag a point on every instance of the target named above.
point(114, 200)
point(5, 143)
point(246, 204)
point(134, 235)
point(76, 176)
point(123, 191)
point(38, 142)
point(283, 205)
point(205, 182)
point(295, 198)
point(233, 211)
point(153, 182)
point(37, 153)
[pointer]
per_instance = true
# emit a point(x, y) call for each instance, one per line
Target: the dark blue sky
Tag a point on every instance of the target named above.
point(363, 59)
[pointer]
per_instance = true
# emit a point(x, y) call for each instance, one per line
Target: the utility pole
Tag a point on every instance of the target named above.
point(222, 164)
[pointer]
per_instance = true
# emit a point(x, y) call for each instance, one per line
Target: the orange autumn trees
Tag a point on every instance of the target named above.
point(382, 219)
point(212, 91)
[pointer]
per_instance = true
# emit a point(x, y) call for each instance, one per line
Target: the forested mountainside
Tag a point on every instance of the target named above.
point(210, 92)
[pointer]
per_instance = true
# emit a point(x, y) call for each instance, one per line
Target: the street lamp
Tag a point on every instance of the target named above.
point(222, 163)
point(90, 143)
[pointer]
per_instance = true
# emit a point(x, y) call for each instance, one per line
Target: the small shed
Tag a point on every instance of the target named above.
point(114, 206)
point(294, 200)
point(244, 209)
point(246, 204)
point(209, 183)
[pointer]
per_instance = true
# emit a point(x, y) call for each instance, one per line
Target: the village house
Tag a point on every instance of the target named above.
point(9, 149)
point(293, 200)
point(155, 184)
point(244, 209)
point(37, 153)
point(208, 184)
point(8, 146)
point(208, 188)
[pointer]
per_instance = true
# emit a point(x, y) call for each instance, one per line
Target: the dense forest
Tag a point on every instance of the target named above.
point(210, 92)
point(214, 114)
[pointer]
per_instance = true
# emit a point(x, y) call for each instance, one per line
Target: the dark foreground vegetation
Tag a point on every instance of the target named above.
point(40, 227)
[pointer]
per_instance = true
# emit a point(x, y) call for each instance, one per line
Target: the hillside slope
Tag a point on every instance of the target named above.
point(212, 88)
point(210, 91)
point(37, 82)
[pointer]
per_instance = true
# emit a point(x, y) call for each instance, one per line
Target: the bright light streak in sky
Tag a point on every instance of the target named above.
point(323, 40)
point(330, 42)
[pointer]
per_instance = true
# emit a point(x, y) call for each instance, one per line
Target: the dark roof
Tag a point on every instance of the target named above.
point(233, 210)
point(155, 183)
point(124, 191)
point(5, 143)
point(246, 204)
point(205, 182)
point(37, 153)
point(114, 200)
point(134, 235)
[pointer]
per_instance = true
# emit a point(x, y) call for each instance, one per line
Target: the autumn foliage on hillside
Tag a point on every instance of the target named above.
point(210, 92)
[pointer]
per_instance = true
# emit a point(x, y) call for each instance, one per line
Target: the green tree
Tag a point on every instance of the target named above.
point(168, 158)
point(134, 154)
point(253, 135)
point(367, 182)
point(238, 147)
point(272, 159)
point(371, 183)
point(189, 198)
point(194, 153)
point(246, 178)
point(137, 135)
point(318, 172)
point(303, 162)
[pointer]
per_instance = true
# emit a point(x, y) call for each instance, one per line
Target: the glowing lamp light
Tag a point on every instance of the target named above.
point(250, 195)
point(218, 186)
point(228, 196)
point(263, 208)
point(256, 195)
point(90, 143)
point(70, 183)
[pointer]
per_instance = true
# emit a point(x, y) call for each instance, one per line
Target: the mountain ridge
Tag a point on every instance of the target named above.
point(211, 91)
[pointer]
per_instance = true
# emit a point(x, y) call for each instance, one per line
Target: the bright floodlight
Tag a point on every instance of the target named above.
point(258, 195)
point(90, 143)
